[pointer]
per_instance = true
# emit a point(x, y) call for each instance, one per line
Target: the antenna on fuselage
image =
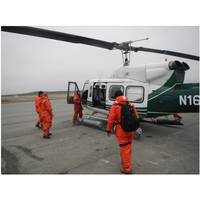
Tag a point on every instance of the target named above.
point(126, 54)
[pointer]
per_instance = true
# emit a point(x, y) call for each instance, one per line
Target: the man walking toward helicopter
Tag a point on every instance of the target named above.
point(124, 137)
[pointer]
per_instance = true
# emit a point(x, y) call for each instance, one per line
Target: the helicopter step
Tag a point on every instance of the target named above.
point(92, 121)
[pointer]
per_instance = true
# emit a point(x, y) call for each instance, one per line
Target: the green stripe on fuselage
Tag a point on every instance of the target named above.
point(169, 83)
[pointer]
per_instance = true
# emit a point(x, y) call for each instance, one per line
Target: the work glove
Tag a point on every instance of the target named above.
point(139, 131)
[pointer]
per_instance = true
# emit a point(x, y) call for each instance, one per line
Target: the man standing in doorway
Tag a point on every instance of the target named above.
point(77, 107)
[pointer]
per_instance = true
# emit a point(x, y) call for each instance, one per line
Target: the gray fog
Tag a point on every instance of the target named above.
point(30, 63)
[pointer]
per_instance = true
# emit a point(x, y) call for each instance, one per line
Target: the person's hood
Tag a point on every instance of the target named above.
point(121, 100)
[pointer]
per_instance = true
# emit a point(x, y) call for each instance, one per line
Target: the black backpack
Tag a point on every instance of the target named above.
point(129, 121)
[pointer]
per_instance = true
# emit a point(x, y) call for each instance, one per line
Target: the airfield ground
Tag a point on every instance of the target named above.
point(85, 150)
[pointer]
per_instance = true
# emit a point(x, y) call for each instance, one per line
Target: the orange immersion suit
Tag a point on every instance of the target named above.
point(37, 108)
point(77, 108)
point(124, 138)
point(46, 115)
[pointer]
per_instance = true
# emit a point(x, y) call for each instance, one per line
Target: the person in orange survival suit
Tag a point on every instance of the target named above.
point(37, 108)
point(124, 138)
point(77, 107)
point(46, 115)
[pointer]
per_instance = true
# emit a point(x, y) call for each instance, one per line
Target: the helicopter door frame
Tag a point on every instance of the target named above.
point(86, 92)
point(69, 96)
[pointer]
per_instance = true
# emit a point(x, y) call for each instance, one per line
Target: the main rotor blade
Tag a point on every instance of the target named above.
point(55, 35)
point(166, 52)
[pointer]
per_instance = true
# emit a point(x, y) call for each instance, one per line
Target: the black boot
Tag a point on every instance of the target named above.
point(38, 125)
point(46, 137)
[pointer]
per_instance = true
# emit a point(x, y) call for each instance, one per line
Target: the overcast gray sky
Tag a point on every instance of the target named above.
point(31, 63)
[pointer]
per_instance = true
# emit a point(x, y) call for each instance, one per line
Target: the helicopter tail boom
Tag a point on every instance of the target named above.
point(183, 98)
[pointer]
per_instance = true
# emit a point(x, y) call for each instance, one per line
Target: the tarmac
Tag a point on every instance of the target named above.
point(85, 150)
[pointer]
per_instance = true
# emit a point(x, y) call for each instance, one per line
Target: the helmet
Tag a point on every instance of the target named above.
point(121, 99)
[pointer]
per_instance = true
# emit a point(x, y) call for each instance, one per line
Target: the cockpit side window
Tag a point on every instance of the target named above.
point(113, 90)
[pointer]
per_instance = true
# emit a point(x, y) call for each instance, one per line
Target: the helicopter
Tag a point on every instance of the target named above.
point(154, 89)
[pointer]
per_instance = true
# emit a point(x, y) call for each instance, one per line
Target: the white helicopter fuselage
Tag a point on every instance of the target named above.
point(155, 90)
point(136, 92)
point(135, 82)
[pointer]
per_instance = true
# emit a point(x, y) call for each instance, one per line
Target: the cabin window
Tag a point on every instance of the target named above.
point(113, 90)
point(135, 94)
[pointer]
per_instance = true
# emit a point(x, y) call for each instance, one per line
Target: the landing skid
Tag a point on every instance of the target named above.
point(100, 123)
point(93, 121)
point(162, 121)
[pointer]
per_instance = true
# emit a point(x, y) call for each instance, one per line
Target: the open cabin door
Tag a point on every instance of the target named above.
point(71, 90)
